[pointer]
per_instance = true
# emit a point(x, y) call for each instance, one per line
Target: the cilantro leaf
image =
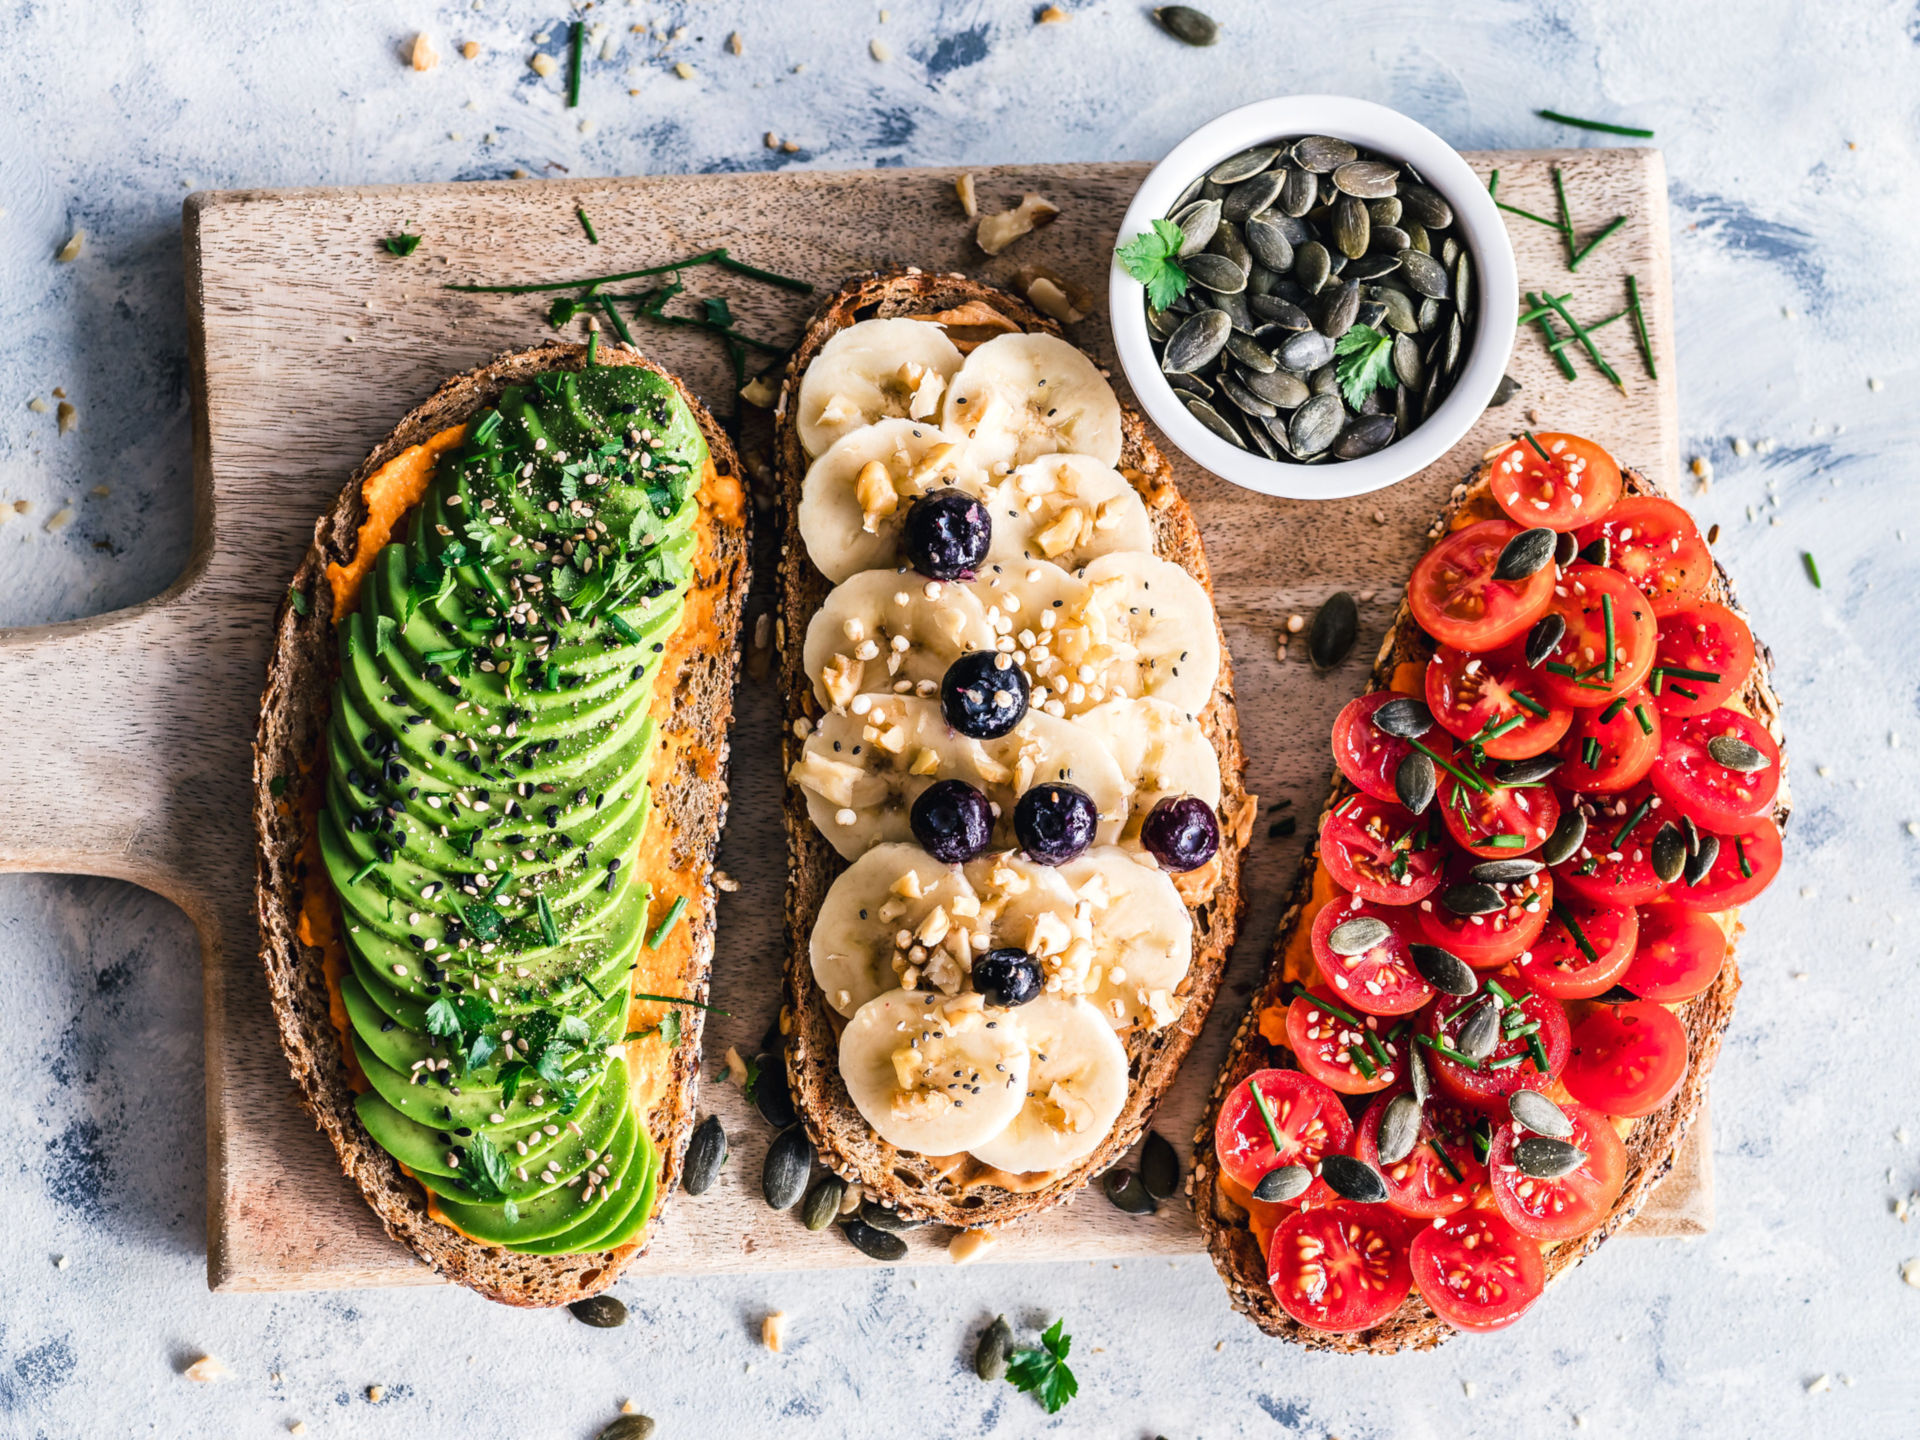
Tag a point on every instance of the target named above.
point(717, 311)
point(1043, 1370)
point(483, 921)
point(1153, 258)
point(383, 632)
point(1364, 363)
point(481, 534)
point(297, 598)
point(484, 1170)
point(401, 244)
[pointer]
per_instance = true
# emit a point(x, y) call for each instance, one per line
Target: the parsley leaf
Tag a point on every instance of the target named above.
point(668, 1030)
point(484, 1171)
point(401, 244)
point(383, 631)
point(1364, 363)
point(481, 534)
point(1043, 1371)
point(483, 921)
point(297, 598)
point(1153, 258)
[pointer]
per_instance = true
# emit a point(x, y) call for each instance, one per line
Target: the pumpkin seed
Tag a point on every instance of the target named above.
point(1164, 322)
point(1405, 717)
point(1198, 342)
point(1245, 165)
point(1261, 280)
point(1192, 384)
point(706, 1153)
point(1227, 242)
point(1216, 272)
point(1244, 349)
point(1600, 552)
point(1336, 625)
point(1385, 213)
point(1250, 197)
point(1301, 193)
point(1527, 553)
point(1358, 935)
point(1567, 837)
point(1502, 393)
point(1326, 381)
point(1542, 1157)
point(771, 1095)
point(1566, 549)
point(1322, 154)
point(1159, 1167)
point(1399, 1130)
point(1352, 1179)
point(1246, 400)
point(1269, 244)
point(1400, 314)
point(1284, 1182)
point(1312, 265)
point(1417, 237)
point(1506, 871)
point(1463, 284)
point(1204, 412)
point(603, 1312)
point(1388, 240)
point(1233, 305)
point(783, 1175)
point(1414, 780)
point(1545, 636)
point(1669, 852)
point(1366, 435)
point(1124, 1190)
point(1279, 388)
point(1372, 267)
point(1367, 179)
point(1407, 368)
point(1187, 24)
point(822, 1203)
point(994, 1349)
point(1472, 898)
point(1444, 970)
point(1539, 1114)
point(629, 1427)
point(1449, 251)
point(1736, 754)
point(1403, 416)
point(1530, 771)
point(1341, 311)
point(1429, 315)
point(1308, 350)
point(1456, 344)
point(1278, 310)
point(1417, 1072)
point(1701, 861)
point(881, 1218)
point(1426, 205)
point(1480, 1034)
point(1351, 228)
point(1263, 439)
point(1424, 273)
point(1198, 223)
point(876, 1244)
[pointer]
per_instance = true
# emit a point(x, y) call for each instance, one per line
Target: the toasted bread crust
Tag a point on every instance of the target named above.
point(690, 805)
point(911, 1183)
point(1654, 1139)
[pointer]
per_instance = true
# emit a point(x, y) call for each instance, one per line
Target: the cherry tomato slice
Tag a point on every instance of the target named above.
point(1334, 1049)
point(1476, 1270)
point(1487, 942)
point(1614, 865)
point(1612, 748)
point(1513, 1064)
point(1488, 698)
point(1422, 1185)
point(1574, 673)
point(1366, 754)
point(1678, 955)
point(1381, 980)
point(1744, 867)
point(1715, 796)
point(1576, 482)
point(1457, 601)
point(1340, 1267)
point(1307, 1116)
point(1559, 965)
point(1500, 822)
point(1627, 1059)
point(1655, 544)
point(1367, 846)
point(1702, 638)
point(1572, 1204)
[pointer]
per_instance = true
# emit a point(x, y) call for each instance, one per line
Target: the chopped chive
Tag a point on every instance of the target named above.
point(1466, 778)
point(1493, 185)
point(665, 927)
point(1446, 1160)
point(364, 871)
point(1566, 221)
point(586, 224)
point(1482, 1138)
point(1590, 753)
point(1261, 1104)
point(1601, 125)
point(1448, 1052)
point(1379, 1050)
point(740, 267)
point(1639, 814)
point(1588, 866)
point(1586, 343)
point(1302, 993)
point(1594, 244)
point(1528, 316)
point(1505, 842)
point(1528, 703)
point(1646, 721)
point(549, 931)
point(592, 989)
point(620, 627)
point(1567, 340)
point(1560, 667)
point(1689, 694)
point(716, 256)
point(619, 325)
point(1606, 715)
point(1528, 215)
point(1656, 681)
point(593, 348)
point(1553, 336)
point(1493, 732)
point(1740, 849)
point(1359, 1057)
point(574, 42)
point(1537, 448)
point(1506, 996)
point(499, 884)
point(1539, 1053)
point(1640, 326)
point(1399, 1029)
point(1565, 917)
point(1606, 610)
point(1461, 1009)
point(1675, 672)
point(1813, 568)
point(1505, 1063)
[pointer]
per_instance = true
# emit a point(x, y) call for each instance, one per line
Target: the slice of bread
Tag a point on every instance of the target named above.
point(689, 807)
point(1653, 1140)
point(917, 1185)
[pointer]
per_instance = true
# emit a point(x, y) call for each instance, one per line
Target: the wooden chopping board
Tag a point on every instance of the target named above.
point(130, 733)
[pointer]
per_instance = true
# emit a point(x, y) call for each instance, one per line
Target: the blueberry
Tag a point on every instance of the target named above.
point(1007, 977)
point(947, 534)
point(1054, 823)
point(1181, 832)
point(952, 821)
point(984, 694)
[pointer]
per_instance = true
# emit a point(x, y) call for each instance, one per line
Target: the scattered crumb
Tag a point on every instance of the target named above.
point(1825, 772)
point(969, 202)
point(471, 50)
point(736, 1067)
point(376, 1393)
point(683, 70)
point(206, 1370)
point(59, 392)
point(627, 1407)
point(1741, 447)
point(59, 520)
point(1875, 383)
point(1379, 517)
point(516, 173)
point(734, 44)
point(455, 135)
point(772, 141)
point(588, 126)
point(425, 57)
point(1296, 623)
point(1820, 1384)
point(997, 232)
point(544, 65)
point(773, 1331)
point(761, 392)
point(1052, 15)
point(70, 251)
point(68, 416)
point(1050, 299)
point(60, 1262)
point(1910, 1272)
point(790, 147)
point(21, 507)
point(37, 405)
point(725, 883)
point(1703, 472)
point(1467, 1388)
point(852, 1200)
point(969, 1245)
point(879, 50)
point(885, 15)
point(298, 1427)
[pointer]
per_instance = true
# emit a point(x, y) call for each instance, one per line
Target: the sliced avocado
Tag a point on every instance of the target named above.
point(546, 1215)
point(618, 1221)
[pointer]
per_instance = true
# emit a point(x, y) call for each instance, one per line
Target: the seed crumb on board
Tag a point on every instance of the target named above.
point(298, 1427)
point(725, 882)
point(70, 251)
point(206, 1370)
point(969, 1245)
point(772, 141)
point(1052, 15)
point(37, 405)
point(1875, 383)
point(470, 50)
point(736, 1067)
point(627, 1407)
point(683, 70)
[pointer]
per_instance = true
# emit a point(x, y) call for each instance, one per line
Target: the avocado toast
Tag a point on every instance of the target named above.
point(489, 780)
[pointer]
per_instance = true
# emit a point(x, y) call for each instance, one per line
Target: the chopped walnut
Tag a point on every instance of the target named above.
point(997, 232)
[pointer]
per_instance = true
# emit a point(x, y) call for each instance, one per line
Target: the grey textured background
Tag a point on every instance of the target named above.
point(1790, 135)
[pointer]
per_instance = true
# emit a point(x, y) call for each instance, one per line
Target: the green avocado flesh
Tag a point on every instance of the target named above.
point(487, 796)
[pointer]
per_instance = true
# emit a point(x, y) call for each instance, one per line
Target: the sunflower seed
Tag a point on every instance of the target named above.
point(1198, 223)
point(1367, 179)
point(1216, 272)
point(1250, 197)
point(1444, 970)
point(1530, 771)
point(1159, 1167)
point(1250, 354)
point(603, 1312)
point(1504, 872)
point(1185, 23)
point(1269, 244)
point(1358, 935)
point(1341, 311)
point(1545, 636)
point(1568, 836)
point(1202, 411)
point(629, 1427)
point(1124, 1190)
point(1351, 228)
point(706, 1153)
point(1414, 781)
point(1539, 1114)
point(822, 1202)
point(1245, 165)
point(1406, 717)
point(1306, 351)
point(1406, 362)
point(1322, 154)
point(874, 1243)
point(1278, 388)
point(1669, 852)
point(783, 1175)
point(1286, 1182)
point(1280, 311)
point(1424, 273)
point(1312, 265)
point(1701, 861)
point(1365, 435)
point(1736, 754)
point(1336, 625)
point(1300, 194)
point(1198, 342)
point(1399, 1130)
point(1353, 1179)
point(1245, 399)
point(1541, 1157)
point(1426, 205)
point(1480, 1034)
point(1472, 898)
point(1527, 553)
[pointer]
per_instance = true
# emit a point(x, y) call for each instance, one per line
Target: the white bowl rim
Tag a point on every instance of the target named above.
point(1380, 128)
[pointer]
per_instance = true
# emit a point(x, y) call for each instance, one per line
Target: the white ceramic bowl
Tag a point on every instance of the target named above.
point(1475, 218)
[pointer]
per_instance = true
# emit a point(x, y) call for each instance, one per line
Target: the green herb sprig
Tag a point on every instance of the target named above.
point(1153, 258)
point(1602, 126)
point(1042, 1370)
point(1363, 363)
point(401, 244)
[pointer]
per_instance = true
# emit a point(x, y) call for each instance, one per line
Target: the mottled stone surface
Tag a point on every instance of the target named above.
point(1794, 186)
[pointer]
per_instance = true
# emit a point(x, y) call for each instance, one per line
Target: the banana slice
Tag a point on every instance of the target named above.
point(855, 496)
point(1076, 1087)
point(877, 928)
point(1022, 396)
point(928, 1073)
point(1160, 750)
point(880, 628)
point(862, 769)
point(1125, 945)
point(1069, 509)
point(872, 371)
